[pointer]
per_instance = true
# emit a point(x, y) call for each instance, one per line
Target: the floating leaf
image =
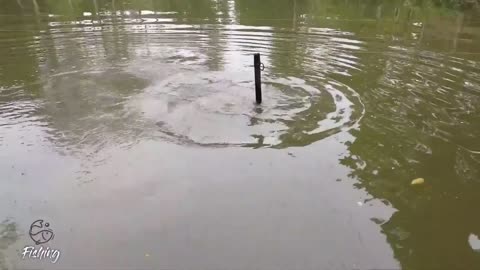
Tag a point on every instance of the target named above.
point(418, 181)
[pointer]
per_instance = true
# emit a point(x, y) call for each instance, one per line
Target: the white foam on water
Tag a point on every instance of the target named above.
point(474, 242)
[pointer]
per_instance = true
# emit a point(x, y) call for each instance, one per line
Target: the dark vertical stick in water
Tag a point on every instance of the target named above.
point(258, 77)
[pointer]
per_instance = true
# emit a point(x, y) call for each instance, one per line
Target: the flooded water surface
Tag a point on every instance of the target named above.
point(131, 128)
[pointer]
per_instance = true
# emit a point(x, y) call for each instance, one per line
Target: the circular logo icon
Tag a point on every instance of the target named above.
point(40, 232)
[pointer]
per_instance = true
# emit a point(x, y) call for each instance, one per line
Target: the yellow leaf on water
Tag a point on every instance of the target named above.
point(418, 181)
